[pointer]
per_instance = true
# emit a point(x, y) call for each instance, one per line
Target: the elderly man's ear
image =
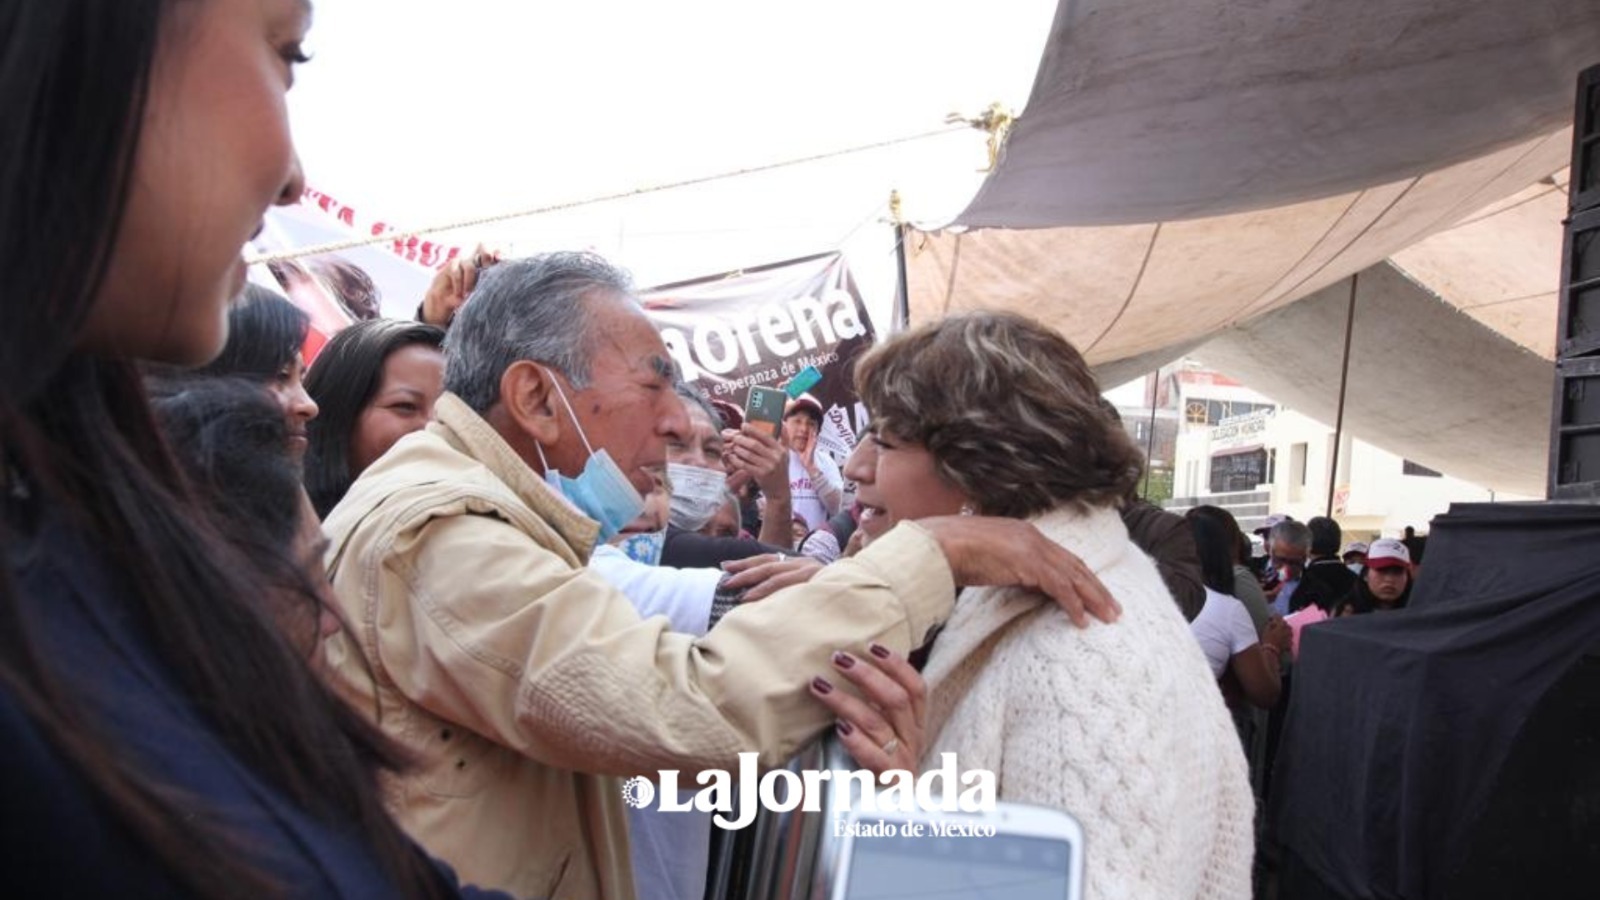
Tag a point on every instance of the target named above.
point(529, 400)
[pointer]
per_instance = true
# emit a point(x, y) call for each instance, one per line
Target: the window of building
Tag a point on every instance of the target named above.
point(1198, 411)
point(1232, 472)
point(1297, 472)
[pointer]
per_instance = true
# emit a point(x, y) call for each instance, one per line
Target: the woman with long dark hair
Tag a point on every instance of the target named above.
point(1245, 585)
point(374, 382)
point(1226, 635)
point(228, 436)
point(265, 333)
point(161, 735)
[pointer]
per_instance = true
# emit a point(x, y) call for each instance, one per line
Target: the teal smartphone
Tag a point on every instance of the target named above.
point(805, 381)
point(766, 405)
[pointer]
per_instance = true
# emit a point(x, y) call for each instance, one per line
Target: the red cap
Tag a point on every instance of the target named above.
point(803, 402)
point(731, 416)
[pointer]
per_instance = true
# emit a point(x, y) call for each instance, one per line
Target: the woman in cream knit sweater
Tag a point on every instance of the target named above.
point(1120, 725)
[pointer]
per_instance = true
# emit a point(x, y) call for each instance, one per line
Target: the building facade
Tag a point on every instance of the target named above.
point(1238, 449)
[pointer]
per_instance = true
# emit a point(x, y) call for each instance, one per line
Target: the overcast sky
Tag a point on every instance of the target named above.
point(419, 113)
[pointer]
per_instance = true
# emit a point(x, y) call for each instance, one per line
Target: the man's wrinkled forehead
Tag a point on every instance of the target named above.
point(638, 342)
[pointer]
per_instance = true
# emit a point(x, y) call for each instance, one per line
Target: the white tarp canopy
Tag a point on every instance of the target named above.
point(1120, 291)
point(1434, 385)
point(1501, 265)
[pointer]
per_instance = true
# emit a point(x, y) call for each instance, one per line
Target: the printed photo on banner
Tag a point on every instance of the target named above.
point(341, 287)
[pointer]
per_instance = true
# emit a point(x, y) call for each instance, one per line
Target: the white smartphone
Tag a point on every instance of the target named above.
point(1018, 852)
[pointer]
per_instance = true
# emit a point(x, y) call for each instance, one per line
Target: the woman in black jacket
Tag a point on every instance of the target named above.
point(160, 736)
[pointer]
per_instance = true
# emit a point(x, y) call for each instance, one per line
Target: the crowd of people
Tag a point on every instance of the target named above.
point(1258, 607)
point(398, 622)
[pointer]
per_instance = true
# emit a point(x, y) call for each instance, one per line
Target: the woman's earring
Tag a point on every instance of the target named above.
point(967, 509)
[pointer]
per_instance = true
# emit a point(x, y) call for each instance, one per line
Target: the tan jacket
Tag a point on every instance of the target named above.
point(524, 683)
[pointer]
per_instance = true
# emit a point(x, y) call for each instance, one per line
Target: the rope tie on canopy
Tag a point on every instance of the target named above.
point(391, 236)
point(997, 121)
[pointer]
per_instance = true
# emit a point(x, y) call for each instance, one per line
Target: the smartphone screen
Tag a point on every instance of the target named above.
point(1017, 867)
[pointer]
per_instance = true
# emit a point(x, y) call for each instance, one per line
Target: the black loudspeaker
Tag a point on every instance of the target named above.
point(1575, 422)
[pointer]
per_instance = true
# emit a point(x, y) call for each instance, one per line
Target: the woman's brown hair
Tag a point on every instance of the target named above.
point(1007, 407)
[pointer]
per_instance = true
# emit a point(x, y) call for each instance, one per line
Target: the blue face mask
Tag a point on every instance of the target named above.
point(601, 491)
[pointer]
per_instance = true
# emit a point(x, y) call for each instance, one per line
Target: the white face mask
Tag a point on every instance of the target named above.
point(697, 494)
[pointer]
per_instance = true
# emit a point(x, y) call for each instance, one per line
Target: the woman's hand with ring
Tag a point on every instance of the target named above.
point(883, 728)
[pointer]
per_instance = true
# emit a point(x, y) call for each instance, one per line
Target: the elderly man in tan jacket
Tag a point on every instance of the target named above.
point(526, 685)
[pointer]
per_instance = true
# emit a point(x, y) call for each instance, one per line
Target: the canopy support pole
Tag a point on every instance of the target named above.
point(902, 297)
point(1344, 384)
point(1150, 436)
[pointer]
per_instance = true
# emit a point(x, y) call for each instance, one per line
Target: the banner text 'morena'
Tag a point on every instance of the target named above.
point(720, 344)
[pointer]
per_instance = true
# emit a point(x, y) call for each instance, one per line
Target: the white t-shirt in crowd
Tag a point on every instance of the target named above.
point(1223, 628)
point(682, 595)
point(806, 499)
point(669, 850)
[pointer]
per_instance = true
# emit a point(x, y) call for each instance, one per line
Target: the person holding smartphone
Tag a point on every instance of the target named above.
point(816, 488)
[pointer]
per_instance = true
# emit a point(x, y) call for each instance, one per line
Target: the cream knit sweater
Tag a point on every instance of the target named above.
point(1120, 725)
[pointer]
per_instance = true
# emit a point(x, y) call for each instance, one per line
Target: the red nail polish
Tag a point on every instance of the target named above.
point(844, 728)
point(878, 650)
point(843, 660)
point(821, 685)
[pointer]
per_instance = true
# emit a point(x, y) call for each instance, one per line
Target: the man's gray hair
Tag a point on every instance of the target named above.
point(696, 400)
point(527, 309)
point(1295, 534)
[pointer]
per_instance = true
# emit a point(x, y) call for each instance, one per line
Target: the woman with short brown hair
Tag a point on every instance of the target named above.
point(1120, 725)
